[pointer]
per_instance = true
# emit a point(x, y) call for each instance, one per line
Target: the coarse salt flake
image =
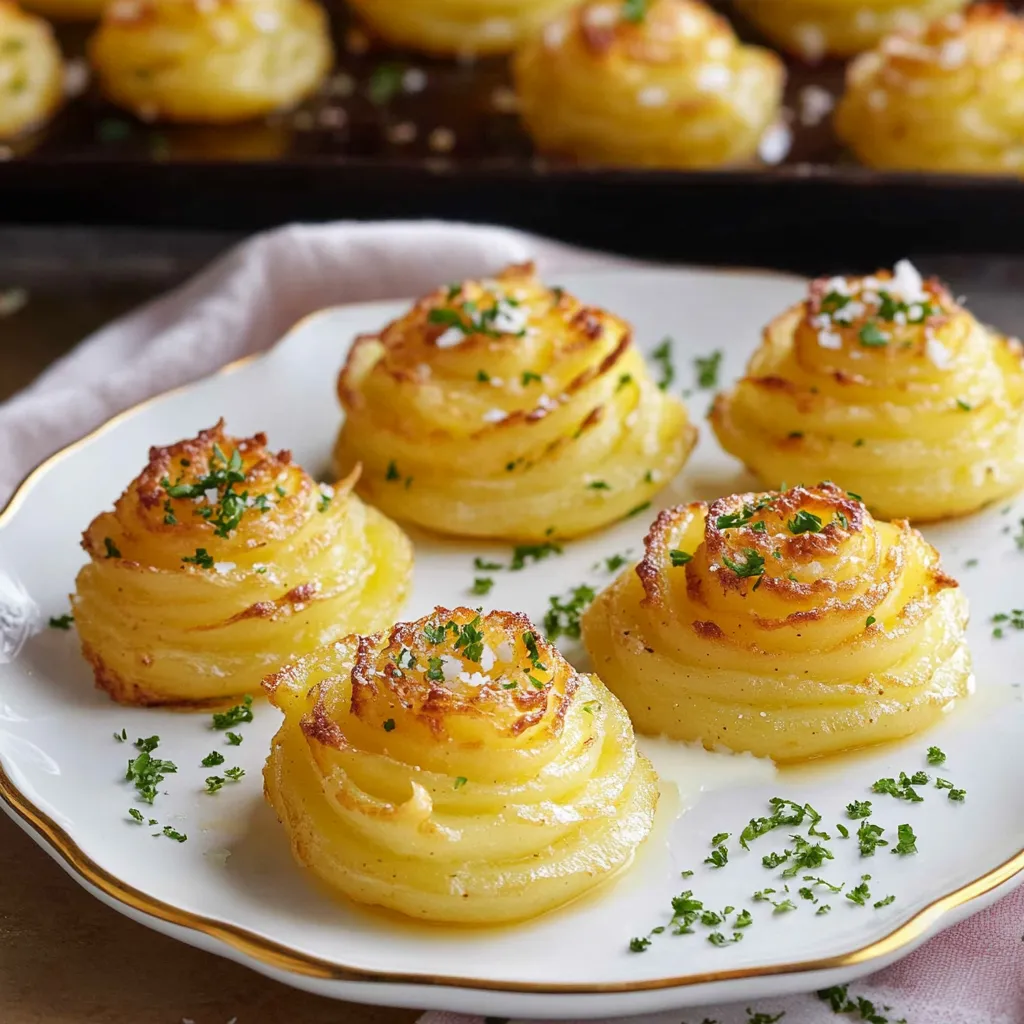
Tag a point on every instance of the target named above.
point(775, 144)
point(495, 415)
point(223, 567)
point(815, 104)
point(938, 353)
point(452, 337)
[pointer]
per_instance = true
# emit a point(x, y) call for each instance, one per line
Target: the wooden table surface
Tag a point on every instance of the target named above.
point(65, 958)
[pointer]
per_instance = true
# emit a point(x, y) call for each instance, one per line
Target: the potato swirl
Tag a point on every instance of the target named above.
point(458, 27)
point(788, 624)
point(671, 88)
point(889, 386)
point(456, 768)
point(222, 561)
point(507, 409)
point(31, 71)
point(813, 29)
point(210, 61)
point(947, 98)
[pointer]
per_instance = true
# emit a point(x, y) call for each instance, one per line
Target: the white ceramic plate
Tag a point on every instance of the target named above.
point(233, 888)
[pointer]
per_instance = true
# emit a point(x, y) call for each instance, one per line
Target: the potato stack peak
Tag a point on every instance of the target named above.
point(887, 384)
point(220, 561)
point(506, 408)
point(790, 624)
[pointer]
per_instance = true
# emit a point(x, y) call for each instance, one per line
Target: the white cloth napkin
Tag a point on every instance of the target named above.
point(973, 974)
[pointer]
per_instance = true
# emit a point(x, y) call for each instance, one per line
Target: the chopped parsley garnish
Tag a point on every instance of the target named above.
point(861, 893)
point(121, 736)
point(719, 857)
point(679, 558)
point(785, 813)
point(591, 705)
point(137, 815)
point(435, 673)
point(148, 744)
point(389, 725)
point(637, 509)
point(234, 774)
point(804, 522)
point(172, 833)
point(662, 355)
point(823, 909)
point(234, 716)
point(734, 520)
point(614, 562)
point(213, 783)
point(869, 838)
point(872, 336)
point(720, 838)
point(935, 756)
point(884, 902)
point(807, 855)
point(460, 782)
point(634, 10)
point(870, 621)
point(957, 795)
point(170, 519)
point(718, 939)
point(234, 739)
point(146, 772)
point(773, 860)
point(202, 558)
point(212, 759)
point(323, 502)
point(1015, 619)
point(524, 553)
point(530, 642)
point(638, 945)
point(483, 376)
point(598, 485)
point(902, 790)
point(625, 379)
point(707, 368)
point(752, 565)
point(481, 565)
point(907, 841)
point(472, 320)
point(563, 616)
point(842, 830)
point(111, 547)
point(468, 639)
point(61, 621)
point(529, 377)
point(385, 83)
point(965, 406)
point(392, 472)
point(482, 585)
point(858, 809)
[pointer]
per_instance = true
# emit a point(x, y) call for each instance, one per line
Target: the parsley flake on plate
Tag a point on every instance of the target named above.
point(234, 716)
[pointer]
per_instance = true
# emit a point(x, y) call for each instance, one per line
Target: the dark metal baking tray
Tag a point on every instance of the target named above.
point(346, 154)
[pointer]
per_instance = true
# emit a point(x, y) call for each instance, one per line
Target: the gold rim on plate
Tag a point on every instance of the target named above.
point(265, 951)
